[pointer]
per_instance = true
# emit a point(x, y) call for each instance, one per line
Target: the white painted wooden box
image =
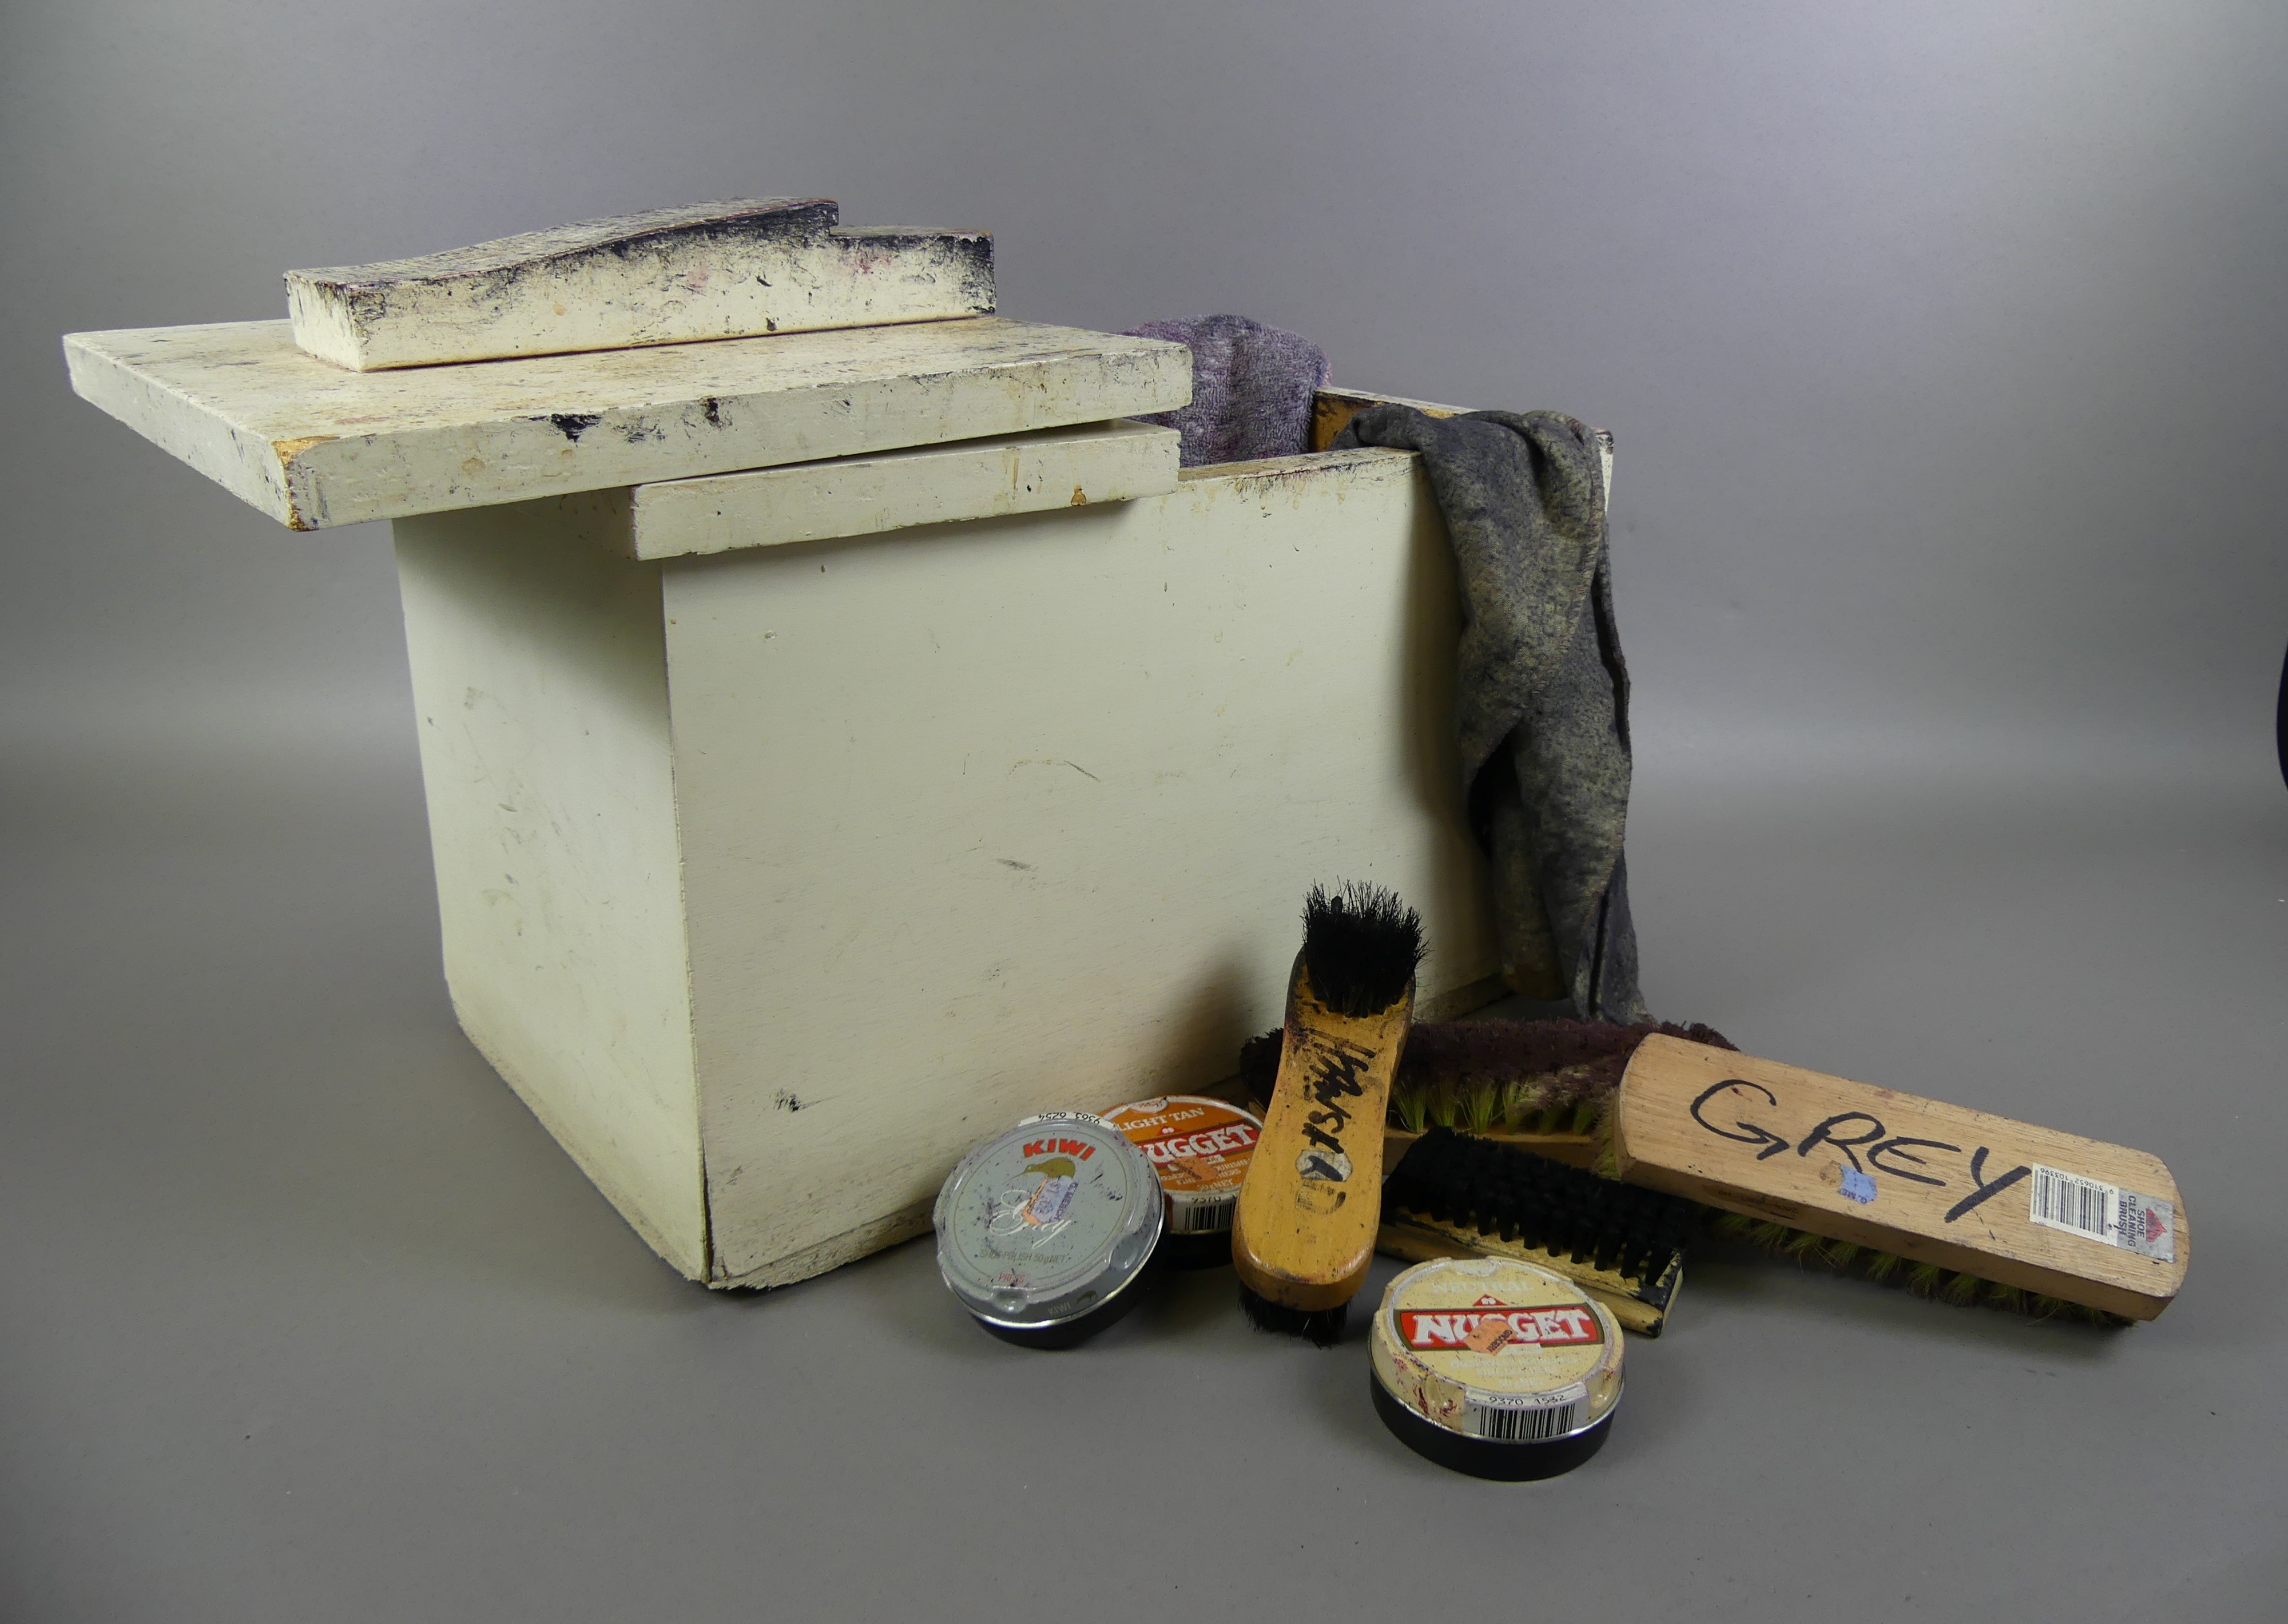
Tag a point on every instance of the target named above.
point(951, 760)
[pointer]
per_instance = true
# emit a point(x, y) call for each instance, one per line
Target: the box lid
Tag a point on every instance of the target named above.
point(314, 445)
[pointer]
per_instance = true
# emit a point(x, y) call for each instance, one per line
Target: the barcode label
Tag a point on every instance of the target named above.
point(1531, 1426)
point(2104, 1212)
point(2077, 1206)
point(1199, 1217)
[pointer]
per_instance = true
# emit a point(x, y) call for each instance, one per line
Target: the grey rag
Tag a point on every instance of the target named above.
point(1252, 389)
point(1544, 696)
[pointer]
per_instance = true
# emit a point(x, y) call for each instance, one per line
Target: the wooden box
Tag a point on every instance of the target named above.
point(837, 745)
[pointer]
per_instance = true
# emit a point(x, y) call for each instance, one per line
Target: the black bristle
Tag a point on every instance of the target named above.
point(1259, 1065)
point(1361, 944)
point(1500, 1189)
point(1323, 1328)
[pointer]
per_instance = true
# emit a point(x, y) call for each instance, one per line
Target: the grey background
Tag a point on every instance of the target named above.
point(1944, 348)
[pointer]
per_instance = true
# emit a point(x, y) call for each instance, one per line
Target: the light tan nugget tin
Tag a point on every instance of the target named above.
point(1200, 1149)
point(1495, 1367)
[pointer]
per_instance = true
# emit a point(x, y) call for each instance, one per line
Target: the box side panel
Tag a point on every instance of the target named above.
point(539, 676)
point(1019, 814)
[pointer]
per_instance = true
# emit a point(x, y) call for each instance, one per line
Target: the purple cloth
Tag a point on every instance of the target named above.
point(1252, 388)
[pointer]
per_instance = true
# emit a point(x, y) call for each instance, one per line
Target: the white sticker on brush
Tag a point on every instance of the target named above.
point(1050, 1201)
point(2104, 1212)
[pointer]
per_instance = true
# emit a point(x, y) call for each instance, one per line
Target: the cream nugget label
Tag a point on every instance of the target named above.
point(1495, 1348)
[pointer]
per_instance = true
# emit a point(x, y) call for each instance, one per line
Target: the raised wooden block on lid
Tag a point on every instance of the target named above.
point(711, 270)
point(313, 445)
point(891, 490)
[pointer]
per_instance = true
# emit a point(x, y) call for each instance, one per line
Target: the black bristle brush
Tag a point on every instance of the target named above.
point(1303, 1233)
point(1451, 1195)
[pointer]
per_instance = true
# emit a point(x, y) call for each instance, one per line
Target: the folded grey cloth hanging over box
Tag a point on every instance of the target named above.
point(1252, 389)
point(1543, 695)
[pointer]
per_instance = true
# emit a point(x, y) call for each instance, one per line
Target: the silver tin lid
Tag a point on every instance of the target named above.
point(1047, 1222)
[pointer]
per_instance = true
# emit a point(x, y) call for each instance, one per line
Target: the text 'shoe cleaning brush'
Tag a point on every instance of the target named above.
point(1304, 1231)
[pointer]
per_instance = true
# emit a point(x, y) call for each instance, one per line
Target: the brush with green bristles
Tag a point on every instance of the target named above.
point(1843, 1257)
point(1952, 1203)
point(1556, 1080)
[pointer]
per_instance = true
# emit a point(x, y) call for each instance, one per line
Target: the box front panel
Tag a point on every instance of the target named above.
point(990, 818)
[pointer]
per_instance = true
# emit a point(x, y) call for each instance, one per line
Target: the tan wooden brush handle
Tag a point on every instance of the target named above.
point(1304, 1231)
point(1932, 1183)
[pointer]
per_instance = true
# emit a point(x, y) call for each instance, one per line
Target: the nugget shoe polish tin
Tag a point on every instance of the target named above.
point(1496, 1368)
point(1044, 1231)
point(1200, 1149)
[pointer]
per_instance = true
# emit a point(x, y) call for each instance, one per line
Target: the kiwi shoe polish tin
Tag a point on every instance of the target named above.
point(1045, 1232)
point(1496, 1368)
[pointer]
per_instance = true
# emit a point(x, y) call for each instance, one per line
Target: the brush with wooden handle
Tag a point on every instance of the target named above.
point(1303, 1233)
point(1997, 1208)
point(1540, 1085)
point(1454, 1195)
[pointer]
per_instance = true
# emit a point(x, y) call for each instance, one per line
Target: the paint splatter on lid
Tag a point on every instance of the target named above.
point(1480, 1363)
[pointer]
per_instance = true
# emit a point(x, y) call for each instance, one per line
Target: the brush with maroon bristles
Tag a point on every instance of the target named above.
point(1499, 1077)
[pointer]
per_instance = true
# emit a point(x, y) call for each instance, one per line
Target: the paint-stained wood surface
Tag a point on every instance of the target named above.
point(892, 490)
point(314, 445)
point(1331, 409)
point(724, 270)
point(1936, 1183)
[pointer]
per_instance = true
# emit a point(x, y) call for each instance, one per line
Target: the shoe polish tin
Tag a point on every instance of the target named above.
point(1200, 1149)
point(1495, 1367)
point(1044, 1231)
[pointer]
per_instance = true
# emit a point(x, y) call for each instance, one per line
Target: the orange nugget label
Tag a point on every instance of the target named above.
point(1197, 1146)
